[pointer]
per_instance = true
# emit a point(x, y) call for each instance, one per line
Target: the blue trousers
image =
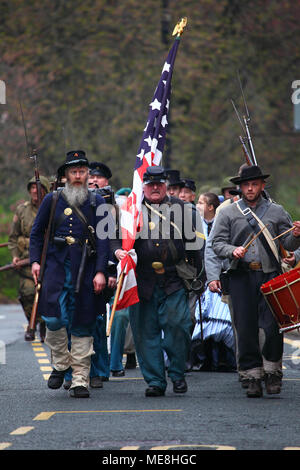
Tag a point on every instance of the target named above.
point(67, 307)
point(118, 334)
point(169, 315)
point(100, 360)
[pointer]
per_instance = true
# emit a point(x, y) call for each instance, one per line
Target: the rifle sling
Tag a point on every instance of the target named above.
point(47, 235)
point(246, 211)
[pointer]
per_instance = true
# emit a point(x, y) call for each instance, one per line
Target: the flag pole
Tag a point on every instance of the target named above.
point(111, 318)
point(178, 30)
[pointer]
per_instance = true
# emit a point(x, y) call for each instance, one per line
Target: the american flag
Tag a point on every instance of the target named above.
point(149, 154)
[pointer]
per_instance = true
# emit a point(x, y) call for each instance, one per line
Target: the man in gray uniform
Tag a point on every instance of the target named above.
point(253, 267)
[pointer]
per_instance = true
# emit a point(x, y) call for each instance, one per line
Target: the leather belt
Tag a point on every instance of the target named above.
point(69, 240)
point(252, 266)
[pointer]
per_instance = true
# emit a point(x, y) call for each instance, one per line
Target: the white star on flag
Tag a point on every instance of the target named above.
point(155, 104)
point(164, 121)
point(166, 67)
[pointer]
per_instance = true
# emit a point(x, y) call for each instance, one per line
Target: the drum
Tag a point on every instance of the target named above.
point(283, 297)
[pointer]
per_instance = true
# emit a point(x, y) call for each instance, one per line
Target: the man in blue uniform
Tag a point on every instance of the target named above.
point(161, 320)
point(74, 275)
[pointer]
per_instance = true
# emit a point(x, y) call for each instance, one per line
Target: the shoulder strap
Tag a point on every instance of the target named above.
point(256, 224)
point(89, 229)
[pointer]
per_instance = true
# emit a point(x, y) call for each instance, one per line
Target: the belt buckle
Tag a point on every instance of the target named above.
point(158, 267)
point(70, 240)
point(255, 266)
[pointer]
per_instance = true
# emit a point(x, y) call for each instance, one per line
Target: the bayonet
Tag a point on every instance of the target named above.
point(246, 118)
point(33, 155)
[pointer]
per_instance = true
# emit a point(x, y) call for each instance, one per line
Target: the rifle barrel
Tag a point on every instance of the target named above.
point(7, 267)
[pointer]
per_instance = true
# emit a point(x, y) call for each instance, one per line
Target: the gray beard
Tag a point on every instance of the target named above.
point(76, 195)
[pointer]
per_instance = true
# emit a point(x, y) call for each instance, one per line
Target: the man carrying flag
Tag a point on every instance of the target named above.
point(156, 231)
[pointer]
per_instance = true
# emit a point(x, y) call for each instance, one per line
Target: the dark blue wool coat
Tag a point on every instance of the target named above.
point(87, 304)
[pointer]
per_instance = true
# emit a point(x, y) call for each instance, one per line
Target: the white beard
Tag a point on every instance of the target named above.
point(76, 195)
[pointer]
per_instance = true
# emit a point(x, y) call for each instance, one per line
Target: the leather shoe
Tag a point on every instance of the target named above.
point(79, 392)
point(180, 386)
point(67, 384)
point(273, 383)
point(254, 388)
point(29, 335)
point(118, 373)
point(153, 391)
point(56, 378)
point(96, 382)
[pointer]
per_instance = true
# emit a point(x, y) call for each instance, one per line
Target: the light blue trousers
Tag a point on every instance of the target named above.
point(162, 323)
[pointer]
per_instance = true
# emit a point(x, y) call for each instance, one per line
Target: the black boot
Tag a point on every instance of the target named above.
point(56, 378)
point(130, 361)
point(79, 392)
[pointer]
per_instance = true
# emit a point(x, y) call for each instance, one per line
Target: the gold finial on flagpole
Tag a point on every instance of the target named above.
point(178, 30)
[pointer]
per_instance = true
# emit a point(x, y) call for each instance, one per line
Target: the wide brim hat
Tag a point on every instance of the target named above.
point(173, 178)
point(73, 158)
point(249, 173)
point(100, 169)
point(155, 174)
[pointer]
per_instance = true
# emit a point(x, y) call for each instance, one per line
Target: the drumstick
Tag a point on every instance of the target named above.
point(255, 236)
point(283, 233)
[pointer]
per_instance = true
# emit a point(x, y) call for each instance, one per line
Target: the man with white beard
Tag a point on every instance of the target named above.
point(74, 275)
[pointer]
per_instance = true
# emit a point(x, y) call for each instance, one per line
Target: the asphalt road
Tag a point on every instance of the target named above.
point(215, 414)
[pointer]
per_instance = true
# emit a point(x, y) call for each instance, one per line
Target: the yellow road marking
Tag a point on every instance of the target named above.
point(115, 379)
point(45, 415)
point(4, 445)
point(292, 342)
point(130, 448)
point(216, 447)
point(41, 355)
point(45, 368)
point(46, 376)
point(44, 361)
point(38, 349)
point(22, 430)
point(291, 379)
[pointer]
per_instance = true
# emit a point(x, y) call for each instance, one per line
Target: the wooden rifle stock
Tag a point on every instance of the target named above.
point(33, 315)
point(2, 245)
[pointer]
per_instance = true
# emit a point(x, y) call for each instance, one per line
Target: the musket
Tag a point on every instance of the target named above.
point(33, 315)
point(249, 154)
point(2, 245)
point(246, 118)
point(7, 267)
point(33, 155)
